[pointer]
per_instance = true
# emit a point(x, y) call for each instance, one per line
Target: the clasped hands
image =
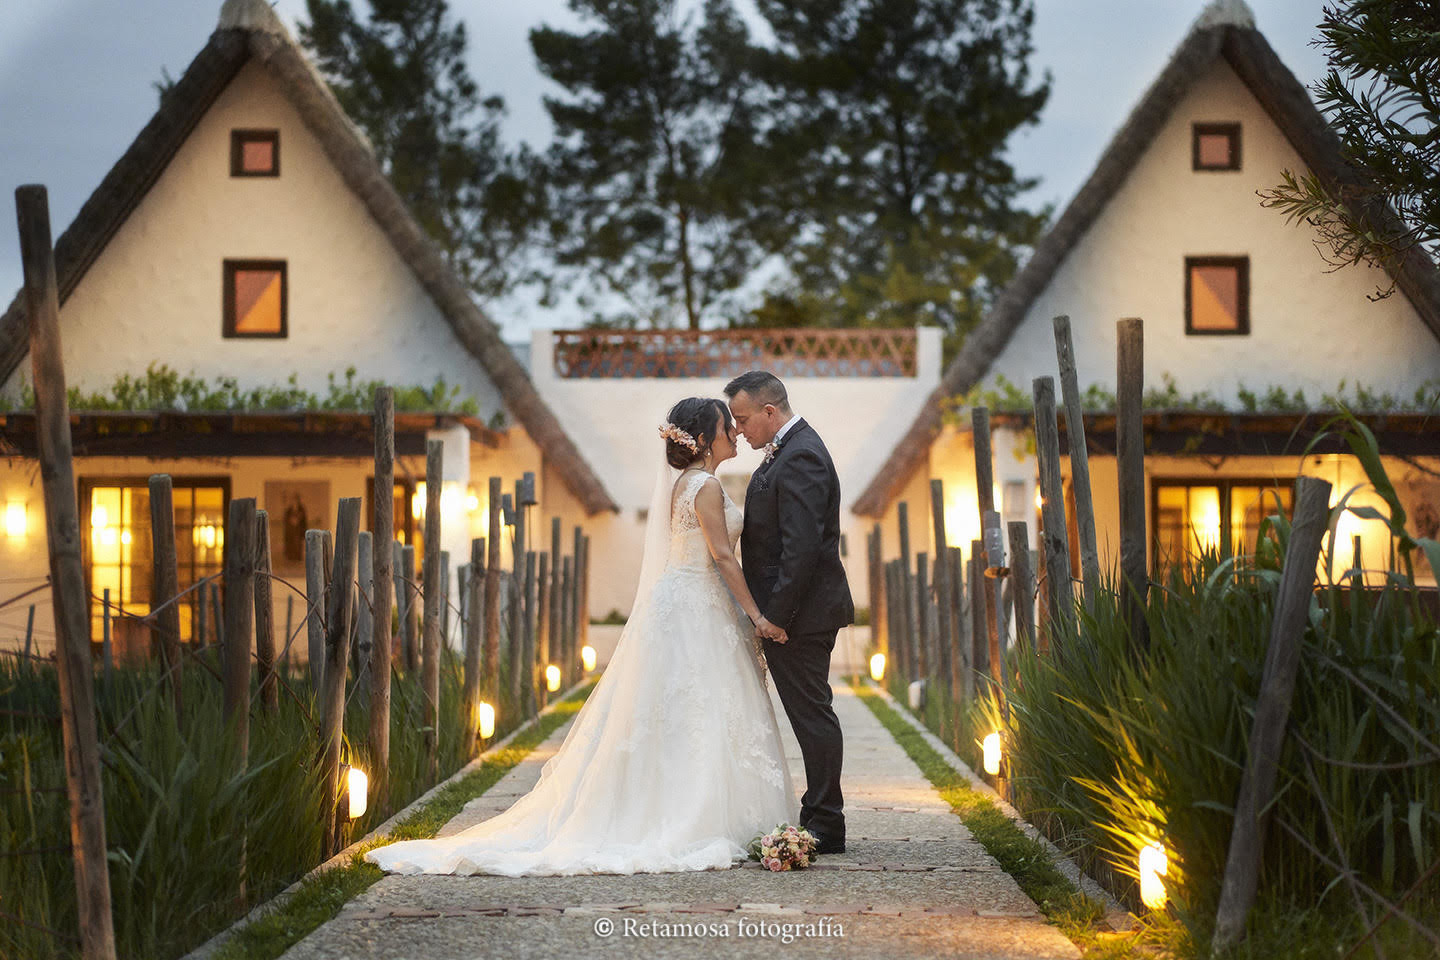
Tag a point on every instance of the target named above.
point(764, 628)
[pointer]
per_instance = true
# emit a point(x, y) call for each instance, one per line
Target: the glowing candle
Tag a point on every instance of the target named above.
point(16, 522)
point(487, 721)
point(358, 785)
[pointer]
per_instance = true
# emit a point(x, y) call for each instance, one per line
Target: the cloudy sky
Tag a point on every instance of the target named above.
point(76, 85)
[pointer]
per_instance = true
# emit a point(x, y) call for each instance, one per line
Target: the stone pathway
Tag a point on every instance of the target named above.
point(912, 883)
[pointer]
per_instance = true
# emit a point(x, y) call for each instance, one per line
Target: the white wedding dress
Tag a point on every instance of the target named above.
point(675, 760)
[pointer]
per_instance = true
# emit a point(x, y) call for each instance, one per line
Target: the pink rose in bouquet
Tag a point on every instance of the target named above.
point(787, 847)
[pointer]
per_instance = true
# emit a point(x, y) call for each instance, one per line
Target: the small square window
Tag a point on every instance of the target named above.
point(255, 298)
point(1217, 295)
point(254, 153)
point(1216, 146)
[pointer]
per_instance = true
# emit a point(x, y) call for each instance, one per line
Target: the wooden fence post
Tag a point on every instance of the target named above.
point(67, 577)
point(542, 626)
point(1058, 592)
point(922, 613)
point(942, 585)
point(979, 611)
point(989, 595)
point(1272, 709)
point(894, 626)
point(1079, 460)
point(571, 670)
point(527, 649)
point(337, 657)
point(239, 615)
point(472, 647)
point(495, 531)
point(315, 606)
point(906, 596)
point(381, 593)
point(961, 677)
point(165, 585)
point(879, 635)
point(1022, 588)
point(434, 593)
point(365, 607)
point(409, 624)
point(567, 614)
point(445, 598)
point(269, 691)
point(107, 652)
point(582, 602)
point(1130, 453)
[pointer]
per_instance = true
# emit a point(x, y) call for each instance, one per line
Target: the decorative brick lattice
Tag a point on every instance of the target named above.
point(582, 354)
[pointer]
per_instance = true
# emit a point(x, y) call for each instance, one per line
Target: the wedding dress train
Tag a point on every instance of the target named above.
point(674, 762)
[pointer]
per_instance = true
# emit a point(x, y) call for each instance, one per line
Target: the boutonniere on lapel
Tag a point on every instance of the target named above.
point(770, 450)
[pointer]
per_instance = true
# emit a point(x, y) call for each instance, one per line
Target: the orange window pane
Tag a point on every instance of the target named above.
point(257, 156)
point(1215, 297)
point(258, 301)
point(1214, 149)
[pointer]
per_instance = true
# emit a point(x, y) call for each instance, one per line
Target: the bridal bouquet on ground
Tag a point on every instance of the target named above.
point(787, 847)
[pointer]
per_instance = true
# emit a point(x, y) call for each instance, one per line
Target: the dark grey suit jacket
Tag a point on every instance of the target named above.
point(790, 547)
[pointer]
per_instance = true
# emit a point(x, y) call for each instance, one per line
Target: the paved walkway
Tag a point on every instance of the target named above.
point(912, 883)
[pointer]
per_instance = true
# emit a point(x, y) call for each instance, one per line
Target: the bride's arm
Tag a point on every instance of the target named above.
point(710, 511)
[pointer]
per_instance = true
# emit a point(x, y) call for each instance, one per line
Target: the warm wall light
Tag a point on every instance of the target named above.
point(16, 521)
point(358, 786)
point(877, 667)
point(552, 678)
point(487, 721)
point(417, 501)
point(472, 500)
point(99, 516)
point(587, 657)
point(991, 745)
point(1153, 864)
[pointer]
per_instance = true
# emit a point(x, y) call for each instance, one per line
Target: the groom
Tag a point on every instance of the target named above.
point(790, 549)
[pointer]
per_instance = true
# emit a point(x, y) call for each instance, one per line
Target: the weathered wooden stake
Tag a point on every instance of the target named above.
point(381, 592)
point(942, 583)
point(434, 593)
point(979, 601)
point(1058, 592)
point(492, 598)
point(315, 606)
point(1130, 452)
point(962, 678)
point(445, 599)
point(337, 656)
point(269, 691)
point(527, 649)
point(582, 603)
point(879, 636)
point(67, 577)
point(472, 647)
point(1022, 586)
point(1079, 461)
point(365, 607)
point(922, 613)
point(1272, 710)
point(239, 616)
point(411, 588)
point(542, 626)
point(989, 595)
point(567, 614)
point(906, 597)
point(107, 653)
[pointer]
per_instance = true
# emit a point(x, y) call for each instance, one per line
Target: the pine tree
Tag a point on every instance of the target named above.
point(647, 175)
point(892, 200)
point(401, 76)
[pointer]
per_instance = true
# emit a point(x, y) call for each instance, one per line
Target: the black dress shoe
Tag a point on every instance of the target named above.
point(825, 844)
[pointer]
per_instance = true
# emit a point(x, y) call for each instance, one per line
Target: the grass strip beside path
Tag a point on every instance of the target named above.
point(1078, 916)
point(320, 897)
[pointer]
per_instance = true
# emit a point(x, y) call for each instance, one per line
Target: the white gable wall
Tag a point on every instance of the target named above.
point(1309, 328)
point(155, 292)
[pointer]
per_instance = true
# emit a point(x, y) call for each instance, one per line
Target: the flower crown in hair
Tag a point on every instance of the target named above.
point(671, 432)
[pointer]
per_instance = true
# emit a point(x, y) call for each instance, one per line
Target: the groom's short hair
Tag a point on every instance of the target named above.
point(763, 385)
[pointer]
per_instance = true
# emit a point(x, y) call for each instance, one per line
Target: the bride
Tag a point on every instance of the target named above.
point(675, 760)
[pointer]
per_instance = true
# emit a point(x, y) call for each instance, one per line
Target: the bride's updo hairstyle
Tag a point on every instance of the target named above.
point(701, 419)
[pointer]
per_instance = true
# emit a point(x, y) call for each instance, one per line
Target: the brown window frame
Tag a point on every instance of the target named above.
point(86, 484)
point(239, 138)
point(227, 296)
point(1226, 484)
point(1242, 327)
point(1198, 130)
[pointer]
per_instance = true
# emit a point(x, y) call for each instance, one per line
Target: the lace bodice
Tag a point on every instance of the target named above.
point(688, 550)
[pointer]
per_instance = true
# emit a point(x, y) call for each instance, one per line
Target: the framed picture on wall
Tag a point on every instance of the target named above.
point(294, 506)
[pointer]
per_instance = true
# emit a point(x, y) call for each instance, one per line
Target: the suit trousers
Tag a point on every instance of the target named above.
point(800, 668)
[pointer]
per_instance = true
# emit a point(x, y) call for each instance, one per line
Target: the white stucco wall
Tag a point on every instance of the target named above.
point(1309, 328)
point(154, 294)
point(613, 421)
